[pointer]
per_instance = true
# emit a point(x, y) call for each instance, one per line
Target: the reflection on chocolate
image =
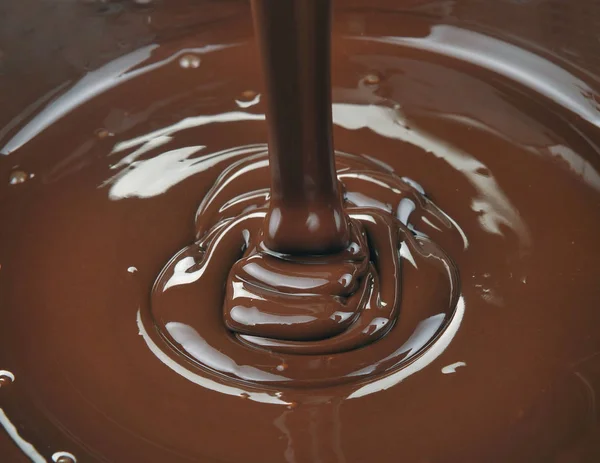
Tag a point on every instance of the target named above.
point(17, 176)
point(305, 213)
point(468, 171)
point(298, 308)
point(306, 274)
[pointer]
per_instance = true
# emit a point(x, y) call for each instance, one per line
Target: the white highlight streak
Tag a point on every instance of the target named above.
point(511, 61)
point(261, 397)
point(25, 446)
point(448, 369)
point(8, 374)
point(494, 206)
point(94, 83)
point(429, 356)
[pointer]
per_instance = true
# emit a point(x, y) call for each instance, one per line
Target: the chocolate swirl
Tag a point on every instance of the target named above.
point(234, 308)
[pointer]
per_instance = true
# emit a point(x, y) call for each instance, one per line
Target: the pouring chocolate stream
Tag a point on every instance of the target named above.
point(315, 267)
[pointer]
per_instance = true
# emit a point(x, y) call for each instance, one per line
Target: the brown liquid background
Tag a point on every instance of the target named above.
point(527, 400)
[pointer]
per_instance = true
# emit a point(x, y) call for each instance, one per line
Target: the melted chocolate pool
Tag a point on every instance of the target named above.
point(148, 314)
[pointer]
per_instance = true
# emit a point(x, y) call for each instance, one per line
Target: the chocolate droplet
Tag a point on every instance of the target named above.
point(282, 367)
point(248, 98)
point(372, 79)
point(64, 457)
point(102, 133)
point(6, 378)
point(18, 176)
point(189, 61)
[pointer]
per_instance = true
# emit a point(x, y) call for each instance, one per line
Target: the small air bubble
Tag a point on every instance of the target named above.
point(249, 94)
point(64, 457)
point(282, 367)
point(102, 133)
point(189, 61)
point(132, 269)
point(372, 79)
point(17, 176)
point(248, 98)
point(6, 378)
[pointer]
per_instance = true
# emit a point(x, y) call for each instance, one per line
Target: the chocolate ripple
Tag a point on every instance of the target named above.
point(234, 308)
